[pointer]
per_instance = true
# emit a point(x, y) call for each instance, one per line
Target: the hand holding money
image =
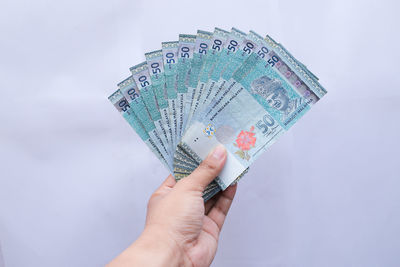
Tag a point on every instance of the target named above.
point(180, 230)
point(240, 90)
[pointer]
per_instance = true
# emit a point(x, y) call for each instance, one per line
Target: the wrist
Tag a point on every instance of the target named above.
point(155, 247)
point(158, 242)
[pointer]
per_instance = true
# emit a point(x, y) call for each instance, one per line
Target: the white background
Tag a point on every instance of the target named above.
point(75, 179)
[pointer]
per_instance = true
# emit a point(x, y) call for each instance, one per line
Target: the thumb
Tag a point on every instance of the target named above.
point(208, 169)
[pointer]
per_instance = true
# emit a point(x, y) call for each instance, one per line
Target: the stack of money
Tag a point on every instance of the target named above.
point(238, 89)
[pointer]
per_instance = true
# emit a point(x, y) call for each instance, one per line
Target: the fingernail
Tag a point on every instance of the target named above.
point(219, 152)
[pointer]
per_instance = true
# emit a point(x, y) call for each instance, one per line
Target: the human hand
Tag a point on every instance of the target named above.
point(180, 229)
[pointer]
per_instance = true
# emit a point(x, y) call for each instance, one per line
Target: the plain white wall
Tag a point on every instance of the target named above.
point(75, 179)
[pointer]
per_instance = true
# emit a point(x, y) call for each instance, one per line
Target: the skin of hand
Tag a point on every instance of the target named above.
point(180, 229)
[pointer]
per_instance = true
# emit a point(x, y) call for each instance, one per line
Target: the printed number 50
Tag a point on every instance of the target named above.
point(265, 123)
point(273, 60)
point(185, 51)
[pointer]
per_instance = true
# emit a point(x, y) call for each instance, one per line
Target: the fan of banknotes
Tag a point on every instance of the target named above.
point(238, 89)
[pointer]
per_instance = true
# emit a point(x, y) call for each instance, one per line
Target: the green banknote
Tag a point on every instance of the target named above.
point(141, 76)
point(268, 95)
point(129, 89)
point(204, 89)
point(185, 57)
point(156, 68)
point(203, 41)
point(232, 60)
point(121, 104)
point(233, 88)
point(230, 48)
point(170, 60)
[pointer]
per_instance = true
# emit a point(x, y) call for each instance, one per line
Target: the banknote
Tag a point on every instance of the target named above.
point(141, 76)
point(121, 104)
point(181, 171)
point(250, 43)
point(204, 89)
point(155, 64)
point(273, 101)
point(182, 164)
point(170, 60)
point(130, 91)
point(278, 46)
point(185, 57)
point(260, 46)
point(238, 89)
point(203, 40)
point(231, 47)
